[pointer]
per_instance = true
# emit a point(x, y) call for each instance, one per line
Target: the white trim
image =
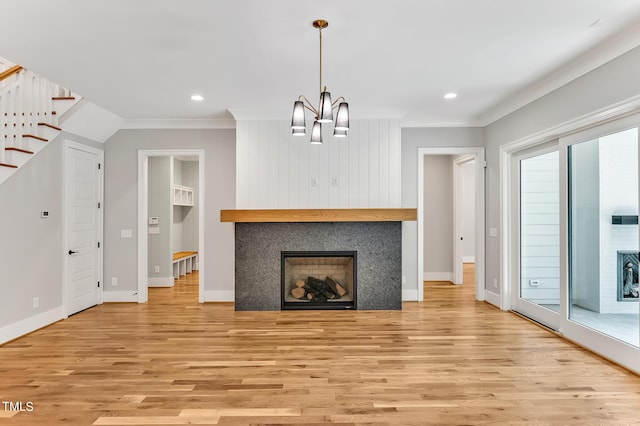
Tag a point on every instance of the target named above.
point(468, 259)
point(410, 295)
point(119, 296)
point(66, 290)
point(178, 124)
point(219, 296)
point(438, 276)
point(161, 282)
point(492, 298)
point(27, 325)
point(143, 206)
point(479, 155)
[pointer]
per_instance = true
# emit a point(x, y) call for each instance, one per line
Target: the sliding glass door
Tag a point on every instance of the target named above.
point(574, 237)
point(603, 233)
point(535, 190)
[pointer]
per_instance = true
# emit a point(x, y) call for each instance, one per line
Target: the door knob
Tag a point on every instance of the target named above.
point(72, 252)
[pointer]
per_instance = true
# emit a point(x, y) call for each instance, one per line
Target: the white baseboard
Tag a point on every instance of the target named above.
point(120, 296)
point(409, 295)
point(161, 282)
point(27, 325)
point(219, 296)
point(492, 298)
point(438, 276)
point(468, 259)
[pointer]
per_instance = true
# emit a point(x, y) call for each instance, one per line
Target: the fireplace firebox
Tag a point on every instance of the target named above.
point(318, 279)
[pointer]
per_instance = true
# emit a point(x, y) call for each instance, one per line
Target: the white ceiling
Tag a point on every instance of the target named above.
point(142, 59)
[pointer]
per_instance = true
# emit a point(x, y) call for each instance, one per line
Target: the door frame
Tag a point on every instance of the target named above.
point(458, 258)
point(479, 156)
point(143, 208)
point(69, 144)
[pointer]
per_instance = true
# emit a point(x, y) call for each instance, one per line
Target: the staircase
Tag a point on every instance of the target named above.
point(30, 110)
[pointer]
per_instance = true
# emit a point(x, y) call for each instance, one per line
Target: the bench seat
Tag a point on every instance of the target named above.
point(184, 262)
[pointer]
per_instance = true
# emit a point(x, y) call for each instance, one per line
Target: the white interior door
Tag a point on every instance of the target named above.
point(83, 252)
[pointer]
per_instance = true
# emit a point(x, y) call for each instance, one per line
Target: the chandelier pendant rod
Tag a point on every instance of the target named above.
point(320, 28)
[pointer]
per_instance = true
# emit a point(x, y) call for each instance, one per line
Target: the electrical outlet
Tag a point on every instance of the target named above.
point(114, 281)
point(534, 283)
point(495, 283)
point(156, 269)
point(36, 302)
point(404, 279)
point(334, 181)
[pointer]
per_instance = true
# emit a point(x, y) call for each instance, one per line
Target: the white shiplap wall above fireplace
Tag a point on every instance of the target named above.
point(275, 170)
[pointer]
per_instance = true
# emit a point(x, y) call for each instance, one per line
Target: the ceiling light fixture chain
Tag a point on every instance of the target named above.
point(324, 112)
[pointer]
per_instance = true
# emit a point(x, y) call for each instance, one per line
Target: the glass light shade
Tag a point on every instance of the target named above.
point(297, 119)
point(325, 110)
point(339, 133)
point(316, 133)
point(299, 132)
point(342, 117)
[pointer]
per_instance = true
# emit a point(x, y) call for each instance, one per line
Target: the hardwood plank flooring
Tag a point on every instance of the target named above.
point(449, 360)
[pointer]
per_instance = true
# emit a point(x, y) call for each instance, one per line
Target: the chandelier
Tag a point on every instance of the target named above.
point(324, 112)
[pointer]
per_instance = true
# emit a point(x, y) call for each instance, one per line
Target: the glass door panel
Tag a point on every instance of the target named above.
point(603, 235)
point(536, 292)
point(540, 231)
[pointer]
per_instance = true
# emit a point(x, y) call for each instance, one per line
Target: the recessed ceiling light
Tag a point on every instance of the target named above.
point(451, 95)
point(197, 98)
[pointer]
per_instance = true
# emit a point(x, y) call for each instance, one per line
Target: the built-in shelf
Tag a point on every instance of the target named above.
point(182, 195)
point(319, 215)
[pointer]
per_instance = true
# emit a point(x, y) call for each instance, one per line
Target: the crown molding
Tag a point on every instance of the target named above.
point(608, 50)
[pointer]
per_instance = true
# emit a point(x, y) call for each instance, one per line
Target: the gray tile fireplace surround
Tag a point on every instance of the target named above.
point(258, 257)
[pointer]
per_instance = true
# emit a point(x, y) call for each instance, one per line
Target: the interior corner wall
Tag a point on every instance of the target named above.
point(412, 140)
point(160, 206)
point(438, 217)
point(607, 85)
point(121, 202)
point(276, 170)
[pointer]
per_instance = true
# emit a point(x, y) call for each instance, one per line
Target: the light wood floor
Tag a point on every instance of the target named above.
point(449, 360)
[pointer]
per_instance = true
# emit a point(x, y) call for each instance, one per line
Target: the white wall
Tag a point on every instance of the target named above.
point(618, 164)
point(121, 200)
point(438, 217)
point(276, 170)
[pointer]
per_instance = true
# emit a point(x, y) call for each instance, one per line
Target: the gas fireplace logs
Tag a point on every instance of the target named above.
point(316, 290)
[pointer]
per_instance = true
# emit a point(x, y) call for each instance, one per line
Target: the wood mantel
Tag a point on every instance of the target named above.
point(319, 215)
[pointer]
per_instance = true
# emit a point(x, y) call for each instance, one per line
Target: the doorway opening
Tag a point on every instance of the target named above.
point(453, 157)
point(170, 219)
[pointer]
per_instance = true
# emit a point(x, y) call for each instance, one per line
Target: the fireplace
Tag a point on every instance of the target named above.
point(318, 279)
point(627, 276)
